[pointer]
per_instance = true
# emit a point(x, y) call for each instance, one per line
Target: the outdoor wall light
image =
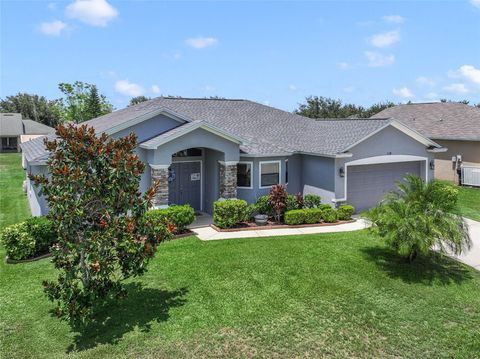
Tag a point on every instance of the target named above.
point(432, 164)
point(341, 172)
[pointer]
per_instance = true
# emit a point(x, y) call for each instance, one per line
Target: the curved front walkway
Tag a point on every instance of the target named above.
point(210, 234)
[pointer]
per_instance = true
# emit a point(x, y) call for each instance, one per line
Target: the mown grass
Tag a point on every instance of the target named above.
point(13, 202)
point(330, 295)
point(469, 202)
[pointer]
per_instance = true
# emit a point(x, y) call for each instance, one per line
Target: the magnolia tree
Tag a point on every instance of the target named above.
point(95, 202)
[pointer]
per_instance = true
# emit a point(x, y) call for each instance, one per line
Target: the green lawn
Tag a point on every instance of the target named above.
point(331, 295)
point(469, 202)
point(13, 202)
point(334, 295)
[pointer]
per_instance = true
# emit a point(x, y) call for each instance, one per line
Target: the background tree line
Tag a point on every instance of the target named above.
point(82, 101)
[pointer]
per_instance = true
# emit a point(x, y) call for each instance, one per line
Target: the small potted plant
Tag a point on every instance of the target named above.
point(261, 219)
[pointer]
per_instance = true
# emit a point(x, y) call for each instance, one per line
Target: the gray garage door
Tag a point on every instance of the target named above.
point(367, 184)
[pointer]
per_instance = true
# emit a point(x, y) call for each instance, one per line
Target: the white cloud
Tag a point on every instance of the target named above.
point(53, 28)
point(127, 88)
point(292, 87)
point(344, 65)
point(425, 81)
point(385, 39)
point(475, 3)
point(395, 19)
point(92, 12)
point(376, 59)
point(468, 72)
point(431, 95)
point(201, 42)
point(457, 88)
point(155, 89)
point(403, 92)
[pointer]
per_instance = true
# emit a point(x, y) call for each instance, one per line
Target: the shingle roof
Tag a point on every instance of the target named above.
point(264, 130)
point(31, 127)
point(11, 124)
point(34, 150)
point(441, 120)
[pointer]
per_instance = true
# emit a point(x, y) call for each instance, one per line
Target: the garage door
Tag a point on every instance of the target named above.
point(367, 184)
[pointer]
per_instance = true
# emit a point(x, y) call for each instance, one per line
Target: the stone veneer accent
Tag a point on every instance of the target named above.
point(228, 180)
point(161, 196)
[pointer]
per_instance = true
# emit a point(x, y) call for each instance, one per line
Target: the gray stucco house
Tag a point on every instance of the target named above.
point(204, 149)
point(15, 130)
point(455, 126)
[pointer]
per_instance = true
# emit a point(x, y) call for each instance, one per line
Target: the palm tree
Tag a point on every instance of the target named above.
point(418, 217)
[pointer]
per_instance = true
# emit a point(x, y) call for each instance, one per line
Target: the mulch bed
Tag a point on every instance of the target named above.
point(252, 226)
point(16, 261)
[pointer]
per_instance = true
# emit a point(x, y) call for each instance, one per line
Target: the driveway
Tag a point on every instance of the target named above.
point(472, 257)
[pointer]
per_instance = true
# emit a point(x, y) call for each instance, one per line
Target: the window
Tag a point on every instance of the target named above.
point(269, 173)
point(191, 152)
point(286, 171)
point(244, 174)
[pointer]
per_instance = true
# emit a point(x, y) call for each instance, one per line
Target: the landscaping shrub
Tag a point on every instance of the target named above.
point(250, 212)
point(324, 206)
point(278, 200)
point(179, 215)
point(262, 206)
point(43, 232)
point(294, 202)
point(228, 213)
point(345, 212)
point(311, 201)
point(303, 216)
point(329, 215)
point(18, 243)
point(418, 217)
point(294, 216)
point(313, 215)
point(28, 239)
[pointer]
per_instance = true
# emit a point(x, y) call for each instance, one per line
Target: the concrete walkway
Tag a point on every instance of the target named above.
point(209, 234)
point(472, 257)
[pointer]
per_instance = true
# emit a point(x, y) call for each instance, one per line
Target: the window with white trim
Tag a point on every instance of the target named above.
point(244, 174)
point(269, 173)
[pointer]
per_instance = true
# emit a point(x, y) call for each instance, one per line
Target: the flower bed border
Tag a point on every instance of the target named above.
point(279, 226)
point(18, 261)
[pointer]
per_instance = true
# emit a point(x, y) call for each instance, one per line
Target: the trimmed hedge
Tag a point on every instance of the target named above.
point(329, 215)
point(303, 216)
point(345, 212)
point(28, 239)
point(180, 215)
point(230, 212)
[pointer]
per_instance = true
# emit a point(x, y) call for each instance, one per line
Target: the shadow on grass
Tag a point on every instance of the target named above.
point(140, 309)
point(425, 270)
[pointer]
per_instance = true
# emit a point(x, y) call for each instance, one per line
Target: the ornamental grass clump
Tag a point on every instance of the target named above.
point(98, 213)
point(418, 217)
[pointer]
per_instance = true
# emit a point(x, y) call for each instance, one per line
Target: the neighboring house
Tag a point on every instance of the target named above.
point(14, 130)
point(205, 149)
point(455, 126)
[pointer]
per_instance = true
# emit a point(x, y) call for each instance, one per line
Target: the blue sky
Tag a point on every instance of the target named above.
point(271, 52)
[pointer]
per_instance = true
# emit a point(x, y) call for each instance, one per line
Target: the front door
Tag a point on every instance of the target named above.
point(184, 184)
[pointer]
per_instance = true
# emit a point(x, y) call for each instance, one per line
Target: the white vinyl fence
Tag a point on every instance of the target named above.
point(471, 176)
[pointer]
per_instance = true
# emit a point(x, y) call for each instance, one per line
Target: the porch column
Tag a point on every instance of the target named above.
point(160, 174)
point(228, 179)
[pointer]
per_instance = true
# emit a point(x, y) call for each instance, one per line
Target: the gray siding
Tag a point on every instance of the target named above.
point(389, 141)
point(38, 204)
point(149, 128)
point(197, 138)
point(318, 177)
point(211, 182)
